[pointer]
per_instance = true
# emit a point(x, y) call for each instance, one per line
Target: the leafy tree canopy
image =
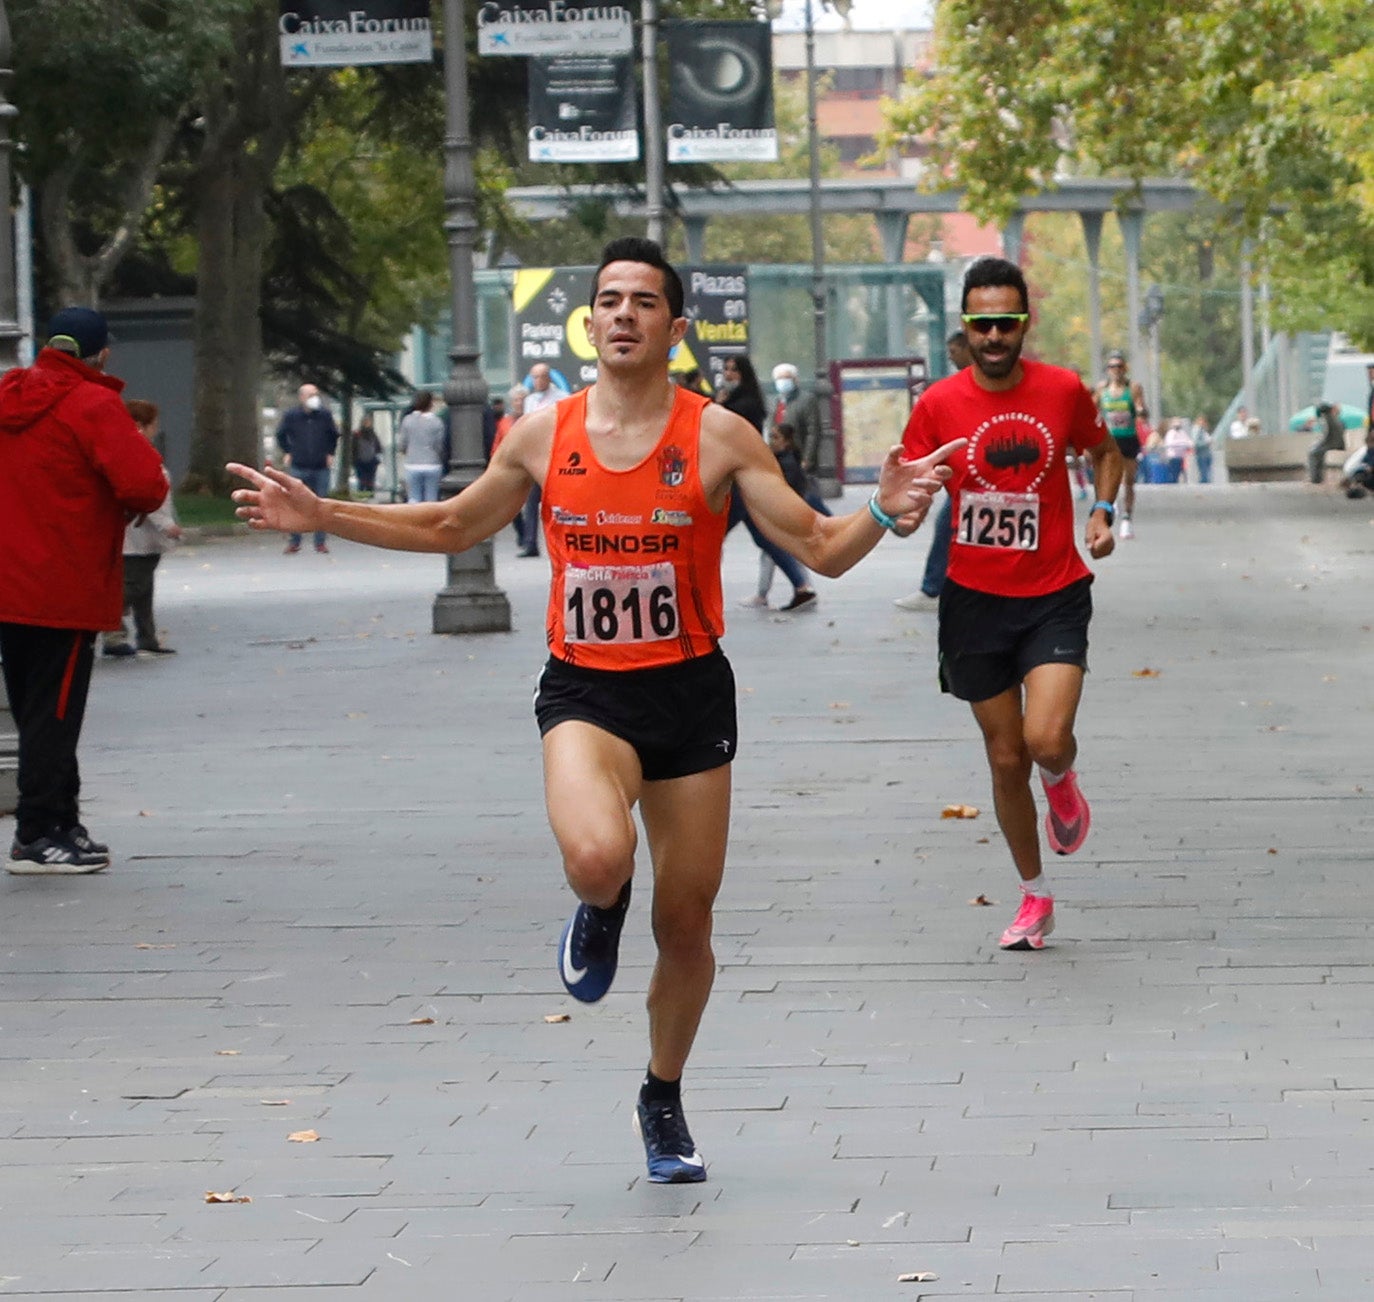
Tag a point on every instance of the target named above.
point(1263, 103)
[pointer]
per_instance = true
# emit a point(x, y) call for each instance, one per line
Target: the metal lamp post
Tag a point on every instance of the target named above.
point(10, 330)
point(10, 335)
point(470, 602)
point(825, 453)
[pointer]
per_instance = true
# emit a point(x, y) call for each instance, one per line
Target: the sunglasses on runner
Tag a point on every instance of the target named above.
point(986, 322)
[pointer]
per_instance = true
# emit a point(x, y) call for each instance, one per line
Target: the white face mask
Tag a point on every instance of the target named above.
point(787, 386)
point(314, 402)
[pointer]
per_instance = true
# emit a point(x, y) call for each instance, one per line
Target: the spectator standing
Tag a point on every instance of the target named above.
point(1330, 438)
point(1178, 443)
point(1240, 427)
point(367, 455)
point(740, 393)
point(541, 392)
point(937, 557)
point(1202, 449)
point(73, 469)
point(421, 440)
point(145, 539)
point(308, 437)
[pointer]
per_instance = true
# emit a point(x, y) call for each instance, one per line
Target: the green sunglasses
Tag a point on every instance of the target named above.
point(986, 322)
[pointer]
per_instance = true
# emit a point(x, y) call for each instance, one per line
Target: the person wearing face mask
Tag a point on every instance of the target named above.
point(799, 409)
point(307, 437)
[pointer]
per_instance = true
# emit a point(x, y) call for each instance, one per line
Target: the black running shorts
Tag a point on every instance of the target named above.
point(989, 643)
point(679, 718)
point(1129, 445)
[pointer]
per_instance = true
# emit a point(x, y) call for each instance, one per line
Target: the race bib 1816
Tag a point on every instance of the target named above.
point(620, 603)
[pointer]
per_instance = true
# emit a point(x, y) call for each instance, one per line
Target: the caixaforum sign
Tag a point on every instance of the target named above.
point(342, 33)
point(545, 27)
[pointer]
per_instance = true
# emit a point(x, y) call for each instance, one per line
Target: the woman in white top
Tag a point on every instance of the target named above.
point(422, 441)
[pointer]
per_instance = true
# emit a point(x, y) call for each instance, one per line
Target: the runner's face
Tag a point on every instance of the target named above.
point(996, 352)
point(631, 324)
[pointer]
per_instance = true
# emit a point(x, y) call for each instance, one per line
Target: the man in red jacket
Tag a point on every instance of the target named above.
point(73, 470)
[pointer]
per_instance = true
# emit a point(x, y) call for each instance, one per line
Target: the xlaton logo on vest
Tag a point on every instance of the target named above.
point(574, 465)
point(672, 466)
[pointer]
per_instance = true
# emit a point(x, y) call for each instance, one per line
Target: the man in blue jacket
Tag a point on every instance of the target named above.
point(307, 437)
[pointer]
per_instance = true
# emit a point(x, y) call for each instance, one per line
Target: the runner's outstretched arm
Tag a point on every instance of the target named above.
point(281, 502)
point(830, 545)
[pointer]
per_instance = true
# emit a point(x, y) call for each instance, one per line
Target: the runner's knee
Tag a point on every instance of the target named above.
point(597, 867)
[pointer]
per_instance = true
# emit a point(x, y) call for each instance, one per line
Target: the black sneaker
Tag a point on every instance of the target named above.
point(120, 649)
point(589, 948)
point(668, 1146)
point(54, 855)
point(158, 650)
point(81, 838)
point(800, 600)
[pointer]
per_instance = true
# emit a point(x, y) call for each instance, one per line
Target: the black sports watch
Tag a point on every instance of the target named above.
point(1108, 509)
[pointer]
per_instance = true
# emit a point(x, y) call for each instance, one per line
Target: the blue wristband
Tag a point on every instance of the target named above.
point(1105, 506)
point(881, 516)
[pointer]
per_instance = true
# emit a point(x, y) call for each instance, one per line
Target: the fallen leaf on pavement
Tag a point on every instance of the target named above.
point(303, 1137)
point(212, 1197)
point(959, 811)
point(421, 1021)
point(143, 944)
point(275, 1103)
point(557, 1017)
point(226, 1053)
point(1145, 673)
point(982, 901)
point(146, 813)
point(918, 1277)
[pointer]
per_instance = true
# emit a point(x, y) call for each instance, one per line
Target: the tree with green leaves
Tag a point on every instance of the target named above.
point(1263, 104)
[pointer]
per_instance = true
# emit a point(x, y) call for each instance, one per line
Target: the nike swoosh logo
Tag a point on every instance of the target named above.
point(693, 1160)
point(572, 975)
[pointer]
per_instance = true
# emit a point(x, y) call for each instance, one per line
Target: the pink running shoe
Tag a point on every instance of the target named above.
point(1033, 922)
point(1068, 818)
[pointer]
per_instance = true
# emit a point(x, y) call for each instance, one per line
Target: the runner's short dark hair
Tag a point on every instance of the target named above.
point(634, 248)
point(994, 273)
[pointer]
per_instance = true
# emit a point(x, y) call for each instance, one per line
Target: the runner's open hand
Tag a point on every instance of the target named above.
point(910, 486)
point(276, 500)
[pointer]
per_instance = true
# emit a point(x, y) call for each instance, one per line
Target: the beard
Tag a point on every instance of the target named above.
point(1000, 366)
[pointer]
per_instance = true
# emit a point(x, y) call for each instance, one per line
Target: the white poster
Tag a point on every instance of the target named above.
point(343, 33)
point(547, 27)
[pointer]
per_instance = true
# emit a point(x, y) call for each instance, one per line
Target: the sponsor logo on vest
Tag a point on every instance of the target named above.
point(600, 544)
point(610, 517)
point(560, 516)
point(574, 465)
point(662, 516)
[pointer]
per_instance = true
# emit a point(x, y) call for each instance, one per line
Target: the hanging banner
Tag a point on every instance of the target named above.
point(547, 27)
point(342, 33)
point(550, 306)
point(720, 99)
point(583, 110)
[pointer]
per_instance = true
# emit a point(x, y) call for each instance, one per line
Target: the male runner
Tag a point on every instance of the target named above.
point(637, 701)
point(1122, 404)
point(1015, 608)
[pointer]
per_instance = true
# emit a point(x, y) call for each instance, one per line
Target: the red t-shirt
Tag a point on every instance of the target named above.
point(1013, 526)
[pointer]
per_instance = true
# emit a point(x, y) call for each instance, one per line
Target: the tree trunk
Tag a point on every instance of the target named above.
point(247, 120)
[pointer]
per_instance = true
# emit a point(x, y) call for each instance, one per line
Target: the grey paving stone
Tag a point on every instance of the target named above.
point(346, 834)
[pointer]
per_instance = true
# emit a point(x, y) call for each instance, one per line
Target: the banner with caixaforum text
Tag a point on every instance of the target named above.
point(343, 33)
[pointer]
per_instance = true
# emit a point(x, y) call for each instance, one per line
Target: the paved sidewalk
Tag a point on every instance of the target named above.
point(335, 903)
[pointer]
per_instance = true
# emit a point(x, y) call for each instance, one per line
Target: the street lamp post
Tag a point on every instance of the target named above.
point(470, 602)
point(10, 334)
point(10, 331)
point(826, 476)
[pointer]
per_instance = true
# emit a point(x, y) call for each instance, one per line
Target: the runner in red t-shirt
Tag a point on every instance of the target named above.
point(1014, 612)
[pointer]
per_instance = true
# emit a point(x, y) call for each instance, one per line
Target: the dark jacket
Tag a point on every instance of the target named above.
point(308, 437)
point(73, 467)
point(790, 465)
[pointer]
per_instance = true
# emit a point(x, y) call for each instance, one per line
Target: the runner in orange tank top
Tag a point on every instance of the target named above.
point(636, 704)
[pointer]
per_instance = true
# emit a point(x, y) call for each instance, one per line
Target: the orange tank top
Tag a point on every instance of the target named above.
point(635, 553)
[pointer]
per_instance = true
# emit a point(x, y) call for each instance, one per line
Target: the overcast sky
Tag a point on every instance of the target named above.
point(866, 15)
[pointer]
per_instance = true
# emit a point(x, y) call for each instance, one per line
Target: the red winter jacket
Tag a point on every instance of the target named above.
point(73, 466)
